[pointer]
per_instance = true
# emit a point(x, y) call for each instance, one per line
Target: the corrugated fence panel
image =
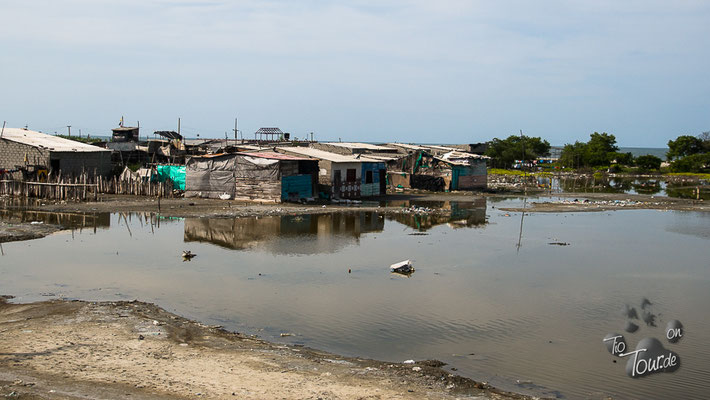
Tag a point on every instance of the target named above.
point(296, 187)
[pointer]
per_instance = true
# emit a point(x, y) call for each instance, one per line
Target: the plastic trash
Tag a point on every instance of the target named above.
point(402, 267)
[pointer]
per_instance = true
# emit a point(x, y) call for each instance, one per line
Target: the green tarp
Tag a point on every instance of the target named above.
point(176, 173)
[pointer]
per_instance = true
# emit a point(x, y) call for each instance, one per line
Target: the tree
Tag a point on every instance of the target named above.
point(599, 151)
point(573, 155)
point(684, 145)
point(505, 151)
point(648, 162)
point(622, 158)
point(705, 137)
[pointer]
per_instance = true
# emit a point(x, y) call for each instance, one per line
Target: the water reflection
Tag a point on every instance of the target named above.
point(66, 220)
point(285, 234)
point(456, 214)
point(650, 186)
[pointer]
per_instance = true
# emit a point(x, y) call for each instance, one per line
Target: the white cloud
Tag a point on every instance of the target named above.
point(471, 63)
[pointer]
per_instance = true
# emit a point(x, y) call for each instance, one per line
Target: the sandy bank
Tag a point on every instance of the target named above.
point(11, 232)
point(134, 350)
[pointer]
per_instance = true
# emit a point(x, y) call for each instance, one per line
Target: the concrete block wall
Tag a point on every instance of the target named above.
point(13, 154)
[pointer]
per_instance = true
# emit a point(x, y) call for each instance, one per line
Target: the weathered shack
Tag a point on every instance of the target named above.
point(345, 176)
point(27, 154)
point(256, 176)
point(468, 171)
point(437, 168)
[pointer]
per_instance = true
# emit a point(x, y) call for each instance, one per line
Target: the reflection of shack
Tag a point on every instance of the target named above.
point(304, 234)
point(65, 220)
point(437, 168)
point(453, 213)
point(345, 176)
point(263, 176)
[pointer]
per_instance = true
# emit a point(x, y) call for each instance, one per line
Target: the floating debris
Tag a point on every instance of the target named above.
point(187, 255)
point(402, 267)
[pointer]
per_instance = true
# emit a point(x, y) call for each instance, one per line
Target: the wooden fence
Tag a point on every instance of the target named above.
point(84, 187)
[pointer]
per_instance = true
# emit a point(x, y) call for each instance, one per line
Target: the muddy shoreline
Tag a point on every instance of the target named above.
point(63, 349)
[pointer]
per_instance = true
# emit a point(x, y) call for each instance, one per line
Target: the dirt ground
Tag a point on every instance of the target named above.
point(11, 232)
point(133, 350)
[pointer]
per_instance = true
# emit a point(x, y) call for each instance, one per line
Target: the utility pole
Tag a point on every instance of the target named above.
point(235, 130)
point(69, 128)
point(3, 128)
point(178, 125)
point(79, 132)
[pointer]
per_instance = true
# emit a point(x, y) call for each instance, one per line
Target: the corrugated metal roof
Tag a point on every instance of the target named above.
point(355, 145)
point(422, 147)
point(460, 158)
point(47, 142)
point(276, 156)
point(326, 155)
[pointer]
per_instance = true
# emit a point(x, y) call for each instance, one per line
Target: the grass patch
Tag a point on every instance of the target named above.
point(694, 174)
point(81, 139)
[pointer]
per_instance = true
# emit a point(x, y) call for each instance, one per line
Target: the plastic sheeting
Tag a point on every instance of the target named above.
point(210, 177)
point(176, 173)
point(256, 168)
point(213, 176)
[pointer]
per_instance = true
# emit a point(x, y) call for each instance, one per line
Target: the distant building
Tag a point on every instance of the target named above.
point(26, 153)
point(125, 134)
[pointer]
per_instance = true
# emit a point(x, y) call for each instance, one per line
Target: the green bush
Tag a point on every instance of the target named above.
point(692, 163)
point(648, 162)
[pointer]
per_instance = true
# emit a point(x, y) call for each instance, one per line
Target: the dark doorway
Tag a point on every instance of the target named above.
point(54, 166)
point(383, 182)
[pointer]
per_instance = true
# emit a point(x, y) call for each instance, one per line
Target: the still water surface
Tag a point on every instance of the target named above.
point(497, 306)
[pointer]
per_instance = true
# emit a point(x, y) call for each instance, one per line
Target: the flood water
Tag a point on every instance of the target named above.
point(684, 189)
point(495, 304)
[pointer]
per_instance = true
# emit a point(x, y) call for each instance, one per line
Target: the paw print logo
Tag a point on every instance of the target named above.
point(649, 356)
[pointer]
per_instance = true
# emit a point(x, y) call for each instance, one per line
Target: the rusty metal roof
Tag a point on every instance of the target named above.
point(276, 156)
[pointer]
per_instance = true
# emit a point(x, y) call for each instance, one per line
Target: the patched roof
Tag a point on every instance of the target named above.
point(326, 155)
point(365, 146)
point(47, 142)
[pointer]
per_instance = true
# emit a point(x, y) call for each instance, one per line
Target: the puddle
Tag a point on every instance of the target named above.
point(495, 303)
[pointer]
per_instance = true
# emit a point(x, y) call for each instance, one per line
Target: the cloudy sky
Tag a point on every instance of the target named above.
point(424, 71)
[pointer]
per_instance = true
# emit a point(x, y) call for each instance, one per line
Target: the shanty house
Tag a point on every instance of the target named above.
point(258, 176)
point(345, 176)
point(25, 153)
point(437, 168)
